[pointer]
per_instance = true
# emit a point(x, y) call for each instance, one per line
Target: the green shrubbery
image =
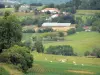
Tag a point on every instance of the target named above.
point(65, 50)
point(95, 52)
point(19, 56)
point(71, 31)
point(3, 71)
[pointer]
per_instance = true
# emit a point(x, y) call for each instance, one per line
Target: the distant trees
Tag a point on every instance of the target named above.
point(2, 6)
point(96, 23)
point(65, 50)
point(64, 19)
point(96, 26)
point(10, 31)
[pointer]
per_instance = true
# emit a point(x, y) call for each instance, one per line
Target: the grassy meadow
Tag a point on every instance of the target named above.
point(81, 41)
point(48, 64)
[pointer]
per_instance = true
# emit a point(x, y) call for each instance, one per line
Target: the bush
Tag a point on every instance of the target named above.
point(71, 31)
point(96, 52)
point(3, 71)
point(28, 31)
point(61, 34)
point(87, 53)
point(65, 50)
point(19, 56)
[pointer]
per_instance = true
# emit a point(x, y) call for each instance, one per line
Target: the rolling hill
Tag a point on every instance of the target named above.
point(44, 1)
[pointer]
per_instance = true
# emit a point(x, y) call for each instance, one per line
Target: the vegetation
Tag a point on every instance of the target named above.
point(38, 45)
point(19, 56)
point(3, 71)
point(60, 50)
point(10, 31)
point(71, 31)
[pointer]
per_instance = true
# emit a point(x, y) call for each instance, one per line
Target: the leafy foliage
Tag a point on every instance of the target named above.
point(71, 31)
point(60, 50)
point(19, 56)
point(10, 31)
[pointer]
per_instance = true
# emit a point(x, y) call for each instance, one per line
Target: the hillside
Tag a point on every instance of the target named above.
point(81, 42)
point(45, 1)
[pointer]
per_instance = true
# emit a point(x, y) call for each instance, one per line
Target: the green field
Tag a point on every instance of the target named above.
point(87, 12)
point(81, 42)
point(6, 9)
point(41, 66)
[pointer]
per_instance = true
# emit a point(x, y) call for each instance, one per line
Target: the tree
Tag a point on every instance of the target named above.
point(19, 56)
point(96, 52)
point(38, 45)
point(65, 50)
point(10, 31)
point(87, 53)
point(2, 6)
point(17, 7)
point(96, 26)
point(76, 3)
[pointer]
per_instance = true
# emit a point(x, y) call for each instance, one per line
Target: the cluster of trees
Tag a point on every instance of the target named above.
point(10, 35)
point(96, 23)
point(73, 5)
point(65, 50)
point(33, 21)
point(2, 6)
point(36, 4)
point(64, 19)
point(95, 52)
point(53, 36)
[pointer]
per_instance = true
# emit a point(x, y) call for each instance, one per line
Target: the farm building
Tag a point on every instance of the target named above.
point(24, 8)
point(51, 10)
point(58, 26)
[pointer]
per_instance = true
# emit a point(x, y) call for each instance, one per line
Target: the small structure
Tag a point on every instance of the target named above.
point(87, 28)
point(58, 26)
point(24, 8)
point(51, 10)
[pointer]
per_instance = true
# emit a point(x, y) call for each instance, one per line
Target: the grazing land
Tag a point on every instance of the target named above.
point(81, 42)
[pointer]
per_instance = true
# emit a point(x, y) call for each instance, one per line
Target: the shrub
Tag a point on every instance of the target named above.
point(96, 52)
point(71, 31)
point(3, 71)
point(60, 50)
point(19, 56)
point(28, 31)
point(87, 53)
point(61, 34)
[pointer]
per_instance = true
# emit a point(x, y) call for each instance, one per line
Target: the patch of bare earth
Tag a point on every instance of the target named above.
point(81, 72)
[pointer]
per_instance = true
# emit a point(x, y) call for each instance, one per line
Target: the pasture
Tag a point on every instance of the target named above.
point(81, 42)
point(45, 64)
point(50, 65)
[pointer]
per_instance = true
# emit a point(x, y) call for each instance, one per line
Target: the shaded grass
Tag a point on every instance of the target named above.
point(11, 69)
